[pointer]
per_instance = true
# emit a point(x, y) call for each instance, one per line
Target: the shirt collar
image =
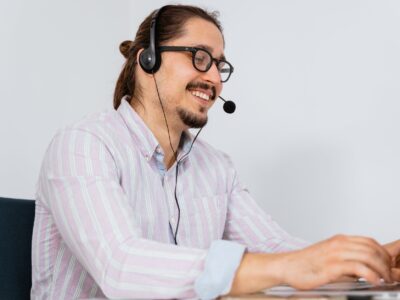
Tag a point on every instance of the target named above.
point(185, 144)
point(142, 134)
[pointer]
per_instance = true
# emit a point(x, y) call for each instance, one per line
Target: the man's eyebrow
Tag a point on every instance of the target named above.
point(209, 49)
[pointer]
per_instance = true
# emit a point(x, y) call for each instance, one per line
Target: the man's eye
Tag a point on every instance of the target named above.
point(200, 59)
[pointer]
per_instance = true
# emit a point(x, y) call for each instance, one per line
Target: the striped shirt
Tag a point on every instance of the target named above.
point(104, 213)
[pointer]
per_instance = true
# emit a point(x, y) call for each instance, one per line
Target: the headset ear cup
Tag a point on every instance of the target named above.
point(150, 61)
point(147, 60)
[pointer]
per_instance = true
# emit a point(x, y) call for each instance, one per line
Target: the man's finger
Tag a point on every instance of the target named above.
point(396, 274)
point(371, 243)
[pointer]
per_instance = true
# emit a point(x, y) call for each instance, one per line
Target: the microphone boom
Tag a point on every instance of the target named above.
point(229, 106)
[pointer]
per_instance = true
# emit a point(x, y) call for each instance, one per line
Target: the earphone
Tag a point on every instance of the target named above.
point(150, 58)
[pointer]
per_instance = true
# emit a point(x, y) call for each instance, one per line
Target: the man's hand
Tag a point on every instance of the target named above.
point(393, 249)
point(327, 261)
point(340, 256)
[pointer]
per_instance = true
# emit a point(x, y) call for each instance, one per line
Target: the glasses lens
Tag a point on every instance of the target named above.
point(225, 70)
point(202, 60)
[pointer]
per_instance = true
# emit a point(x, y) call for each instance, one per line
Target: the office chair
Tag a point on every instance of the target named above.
point(16, 225)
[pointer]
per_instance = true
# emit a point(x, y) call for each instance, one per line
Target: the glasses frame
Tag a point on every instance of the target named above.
point(194, 50)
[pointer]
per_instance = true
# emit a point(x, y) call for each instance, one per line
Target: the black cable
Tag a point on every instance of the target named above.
point(176, 184)
point(165, 118)
point(175, 234)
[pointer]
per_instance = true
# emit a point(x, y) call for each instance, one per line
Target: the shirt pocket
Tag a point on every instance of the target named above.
point(205, 221)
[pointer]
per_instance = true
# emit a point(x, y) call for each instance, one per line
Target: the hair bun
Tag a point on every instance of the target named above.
point(125, 48)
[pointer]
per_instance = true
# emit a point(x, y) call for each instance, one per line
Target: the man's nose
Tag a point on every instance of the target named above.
point(213, 75)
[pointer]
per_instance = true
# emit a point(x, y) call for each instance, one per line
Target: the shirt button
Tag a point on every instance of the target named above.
point(158, 150)
point(172, 220)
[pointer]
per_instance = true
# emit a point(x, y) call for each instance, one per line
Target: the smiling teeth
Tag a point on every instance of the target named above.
point(201, 95)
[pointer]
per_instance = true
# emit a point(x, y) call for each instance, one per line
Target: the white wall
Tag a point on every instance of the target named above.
point(316, 85)
point(58, 61)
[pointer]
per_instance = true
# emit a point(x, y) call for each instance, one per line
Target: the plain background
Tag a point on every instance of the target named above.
point(316, 83)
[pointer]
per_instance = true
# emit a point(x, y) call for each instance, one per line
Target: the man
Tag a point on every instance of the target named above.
point(130, 205)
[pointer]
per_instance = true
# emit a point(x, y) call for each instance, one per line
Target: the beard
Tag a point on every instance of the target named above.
point(191, 119)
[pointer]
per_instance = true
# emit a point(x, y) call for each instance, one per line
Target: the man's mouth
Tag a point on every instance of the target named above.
point(202, 90)
point(201, 95)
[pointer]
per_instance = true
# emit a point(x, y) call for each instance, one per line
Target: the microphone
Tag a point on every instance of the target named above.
point(229, 106)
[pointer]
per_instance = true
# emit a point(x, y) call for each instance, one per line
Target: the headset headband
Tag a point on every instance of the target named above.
point(150, 58)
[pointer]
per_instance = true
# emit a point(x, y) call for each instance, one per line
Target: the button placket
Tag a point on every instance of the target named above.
point(169, 195)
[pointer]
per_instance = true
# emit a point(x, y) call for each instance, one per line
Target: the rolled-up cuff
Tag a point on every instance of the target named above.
point(222, 261)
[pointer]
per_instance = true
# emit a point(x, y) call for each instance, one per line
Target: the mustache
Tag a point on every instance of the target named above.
point(204, 86)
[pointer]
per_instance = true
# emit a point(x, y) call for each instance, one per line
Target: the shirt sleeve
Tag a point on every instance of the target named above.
point(222, 260)
point(248, 224)
point(93, 216)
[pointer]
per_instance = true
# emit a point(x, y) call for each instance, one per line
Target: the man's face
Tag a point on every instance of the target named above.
point(187, 93)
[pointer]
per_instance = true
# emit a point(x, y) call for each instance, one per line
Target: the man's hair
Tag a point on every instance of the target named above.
point(170, 25)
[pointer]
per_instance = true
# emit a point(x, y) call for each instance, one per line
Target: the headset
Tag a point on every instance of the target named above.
point(150, 58)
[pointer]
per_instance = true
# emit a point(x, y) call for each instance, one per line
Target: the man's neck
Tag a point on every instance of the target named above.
point(156, 123)
point(162, 137)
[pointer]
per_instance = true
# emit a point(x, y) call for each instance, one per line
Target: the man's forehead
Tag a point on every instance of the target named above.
point(203, 34)
point(209, 49)
point(211, 41)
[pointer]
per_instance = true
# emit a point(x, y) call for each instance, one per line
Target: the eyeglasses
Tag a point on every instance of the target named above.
point(202, 60)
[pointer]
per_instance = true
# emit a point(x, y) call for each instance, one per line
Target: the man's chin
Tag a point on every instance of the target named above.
point(192, 120)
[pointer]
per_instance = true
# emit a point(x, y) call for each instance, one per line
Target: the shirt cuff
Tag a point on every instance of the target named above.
point(222, 260)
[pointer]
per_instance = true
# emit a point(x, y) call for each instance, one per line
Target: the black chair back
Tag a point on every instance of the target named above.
point(16, 225)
